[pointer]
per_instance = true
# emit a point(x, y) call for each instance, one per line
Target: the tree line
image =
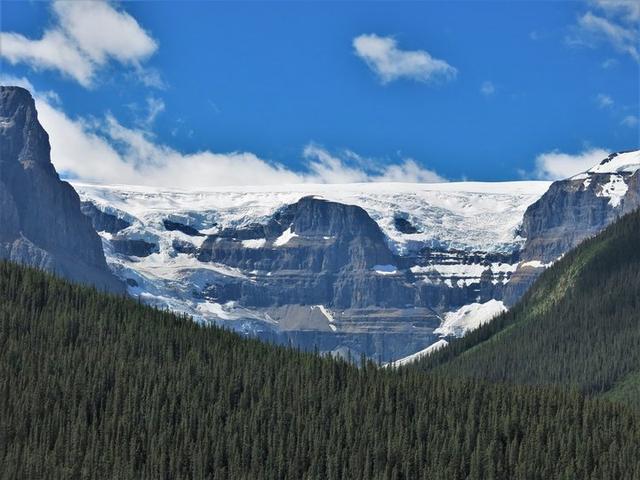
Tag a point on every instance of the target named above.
point(98, 386)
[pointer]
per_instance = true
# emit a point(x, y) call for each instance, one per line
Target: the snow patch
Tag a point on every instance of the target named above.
point(328, 315)
point(254, 243)
point(385, 269)
point(469, 317)
point(536, 264)
point(283, 239)
point(615, 190)
point(418, 355)
point(466, 274)
point(215, 309)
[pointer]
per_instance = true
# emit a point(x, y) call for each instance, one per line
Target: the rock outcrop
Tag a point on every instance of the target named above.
point(40, 219)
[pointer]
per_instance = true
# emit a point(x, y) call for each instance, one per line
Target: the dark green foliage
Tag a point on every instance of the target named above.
point(93, 386)
point(579, 324)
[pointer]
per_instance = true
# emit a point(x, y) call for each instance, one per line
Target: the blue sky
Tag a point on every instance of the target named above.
point(327, 91)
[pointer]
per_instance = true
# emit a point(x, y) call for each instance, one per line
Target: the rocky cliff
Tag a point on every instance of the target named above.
point(40, 219)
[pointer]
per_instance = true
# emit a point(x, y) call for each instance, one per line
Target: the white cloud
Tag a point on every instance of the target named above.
point(487, 88)
point(149, 77)
point(592, 29)
point(52, 51)
point(630, 121)
point(628, 10)
point(155, 106)
point(327, 168)
point(105, 151)
point(383, 56)
point(556, 165)
point(102, 31)
point(85, 37)
point(331, 169)
point(604, 101)
point(408, 171)
point(108, 152)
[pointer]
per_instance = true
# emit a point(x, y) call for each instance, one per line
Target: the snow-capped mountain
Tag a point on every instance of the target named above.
point(380, 269)
point(366, 268)
point(572, 210)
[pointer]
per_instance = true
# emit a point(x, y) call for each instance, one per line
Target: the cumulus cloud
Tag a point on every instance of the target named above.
point(408, 171)
point(85, 37)
point(105, 151)
point(383, 56)
point(556, 165)
point(328, 168)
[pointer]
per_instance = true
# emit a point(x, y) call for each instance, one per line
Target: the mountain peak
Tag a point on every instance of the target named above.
point(21, 135)
point(618, 162)
point(13, 101)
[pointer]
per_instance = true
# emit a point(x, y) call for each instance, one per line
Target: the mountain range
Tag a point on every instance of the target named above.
point(381, 270)
point(515, 306)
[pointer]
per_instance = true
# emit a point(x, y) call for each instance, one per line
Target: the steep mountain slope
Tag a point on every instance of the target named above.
point(348, 268)
point(96, 386)
point(578, 325)
point(40, 219)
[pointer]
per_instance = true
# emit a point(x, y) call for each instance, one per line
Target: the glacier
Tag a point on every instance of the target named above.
point(380, 269)
point(468, 228)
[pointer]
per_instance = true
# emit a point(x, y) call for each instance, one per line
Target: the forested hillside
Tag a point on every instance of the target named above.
point(579, 324)
point(96, 386)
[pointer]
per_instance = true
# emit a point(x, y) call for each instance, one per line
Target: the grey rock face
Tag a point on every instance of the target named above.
point(40, 219)
point(328, 259)
point(327, 237)
point(404, 226)
point(134, 247)
point(180, 227)
point(103, 221)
